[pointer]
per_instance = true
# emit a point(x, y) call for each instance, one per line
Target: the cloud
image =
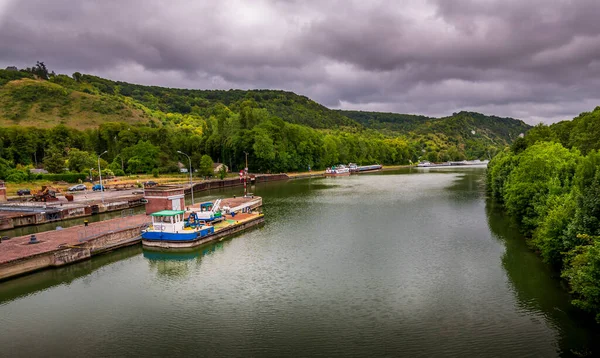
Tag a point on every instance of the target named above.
point(535, 60)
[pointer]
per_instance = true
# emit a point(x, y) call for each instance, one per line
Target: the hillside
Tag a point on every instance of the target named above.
point(43, 104)
point(475, 133)
point(459, 124)
point(289, 106)
point(143, 127)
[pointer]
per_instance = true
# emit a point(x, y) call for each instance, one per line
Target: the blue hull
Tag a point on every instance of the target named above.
point(180, 236)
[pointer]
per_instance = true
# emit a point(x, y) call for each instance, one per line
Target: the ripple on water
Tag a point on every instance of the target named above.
point(378, 265)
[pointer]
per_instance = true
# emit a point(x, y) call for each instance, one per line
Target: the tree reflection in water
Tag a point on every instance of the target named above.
point(539, 289)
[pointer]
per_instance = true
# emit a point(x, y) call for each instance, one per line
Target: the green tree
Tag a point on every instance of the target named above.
point(80, 160)
point(142, 157)
point(222, 172)
point(54, 161)
point(583, 275)
point(205, 167)
point(5, 168)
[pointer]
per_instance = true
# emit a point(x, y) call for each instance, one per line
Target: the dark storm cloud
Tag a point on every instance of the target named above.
point(536, 60)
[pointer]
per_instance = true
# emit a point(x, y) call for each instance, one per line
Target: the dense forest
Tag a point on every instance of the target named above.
point(61, 123)
point(549, 180)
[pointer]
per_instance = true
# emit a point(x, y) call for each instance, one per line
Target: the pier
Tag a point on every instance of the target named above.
point(26, 254)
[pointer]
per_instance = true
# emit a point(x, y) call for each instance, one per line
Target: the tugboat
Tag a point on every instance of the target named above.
point(169, 225)
point(338, 170)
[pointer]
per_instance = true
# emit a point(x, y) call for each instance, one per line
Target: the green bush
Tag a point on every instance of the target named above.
point(107, 173)
point(119, 172)
point(16, 176)
point(155, 172)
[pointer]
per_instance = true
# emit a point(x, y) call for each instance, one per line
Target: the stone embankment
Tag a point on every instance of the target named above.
point(25, 254)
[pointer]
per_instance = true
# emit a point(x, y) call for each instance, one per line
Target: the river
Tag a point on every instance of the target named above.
point(407, 263)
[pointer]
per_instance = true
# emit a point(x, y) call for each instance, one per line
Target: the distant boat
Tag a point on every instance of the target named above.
point(476, 162)
point(368, 168)
point(338, 170)
point(363, 168)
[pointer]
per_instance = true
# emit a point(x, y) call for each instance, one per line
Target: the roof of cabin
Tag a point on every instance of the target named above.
point(167, 213)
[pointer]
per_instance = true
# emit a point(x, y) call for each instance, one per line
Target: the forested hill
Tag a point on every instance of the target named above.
point(549, 180)
point(44, 115)
point(459, 124)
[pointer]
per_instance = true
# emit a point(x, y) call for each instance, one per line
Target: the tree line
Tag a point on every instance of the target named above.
point(549, 180)
point(280, 131)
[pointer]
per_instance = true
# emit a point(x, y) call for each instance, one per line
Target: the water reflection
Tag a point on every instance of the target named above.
point(179, 263)
point(538, 289)
point(44, 280)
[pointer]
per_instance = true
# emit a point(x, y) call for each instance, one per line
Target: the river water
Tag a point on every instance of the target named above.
point(407, 263)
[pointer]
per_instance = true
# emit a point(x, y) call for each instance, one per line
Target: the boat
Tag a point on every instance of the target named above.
point(477, 162)
point(353, 168)
point(170, 225)
point(369, 168)
point(337, 170)
point(206, 222)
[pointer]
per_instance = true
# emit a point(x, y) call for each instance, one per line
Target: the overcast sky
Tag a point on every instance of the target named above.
point(538, 60)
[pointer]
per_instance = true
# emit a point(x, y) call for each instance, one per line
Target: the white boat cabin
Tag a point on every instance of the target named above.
point(168, 221)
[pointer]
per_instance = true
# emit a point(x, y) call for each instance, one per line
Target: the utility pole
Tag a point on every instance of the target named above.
point(100, 173)
point(191, 185)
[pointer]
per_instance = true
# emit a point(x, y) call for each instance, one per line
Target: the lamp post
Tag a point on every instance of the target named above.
point(246, 175)
point(100, 174)
point(191, 185)
point(91, 176)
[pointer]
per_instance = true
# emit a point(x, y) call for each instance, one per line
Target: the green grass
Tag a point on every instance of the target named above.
point(44, 104)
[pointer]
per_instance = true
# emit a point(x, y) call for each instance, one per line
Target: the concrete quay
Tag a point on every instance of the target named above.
point(19, 214)
point(61, 247)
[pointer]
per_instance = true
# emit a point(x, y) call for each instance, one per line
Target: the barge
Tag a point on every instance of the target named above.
point(470, 163)
point(356, 169)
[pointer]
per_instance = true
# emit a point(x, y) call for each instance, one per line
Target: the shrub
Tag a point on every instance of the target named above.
point(119, 172)
point(16, 176)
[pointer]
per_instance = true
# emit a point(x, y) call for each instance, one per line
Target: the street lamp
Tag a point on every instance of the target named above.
point(91, 176)
point(191, 185)
point(246, 175)
point(100, 173)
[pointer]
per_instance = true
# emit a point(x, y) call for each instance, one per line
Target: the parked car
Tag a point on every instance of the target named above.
point(98, 187)
point(78, 187)
point(150, 184)
point(22, 192)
